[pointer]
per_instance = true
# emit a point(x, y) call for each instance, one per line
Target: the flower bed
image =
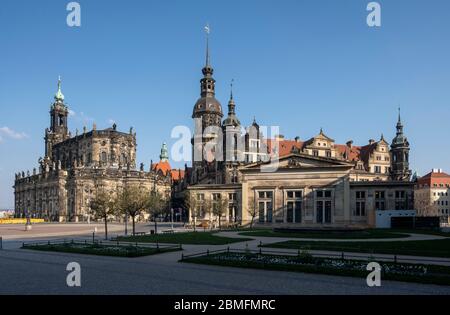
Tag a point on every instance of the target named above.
point(100, 249)
point(304, 262)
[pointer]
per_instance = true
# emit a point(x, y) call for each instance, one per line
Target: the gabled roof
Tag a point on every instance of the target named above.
point(301, 160)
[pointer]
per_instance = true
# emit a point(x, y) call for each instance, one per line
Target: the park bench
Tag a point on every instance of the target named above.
point(168, 231)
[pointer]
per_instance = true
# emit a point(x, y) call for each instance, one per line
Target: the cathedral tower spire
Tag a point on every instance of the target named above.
point(58, 130)
point(164, 156)
point(400, 154)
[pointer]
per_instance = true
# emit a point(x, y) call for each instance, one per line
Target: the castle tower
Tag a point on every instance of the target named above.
point(207, 113)
point(400, 154)
point(233, 143)
point(58, 130)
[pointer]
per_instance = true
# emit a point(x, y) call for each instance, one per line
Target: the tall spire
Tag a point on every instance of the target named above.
point(59, 96)
point(231, 104)
point(207, 70)
point(231, 89)
point(399, 123)
point(207, 31)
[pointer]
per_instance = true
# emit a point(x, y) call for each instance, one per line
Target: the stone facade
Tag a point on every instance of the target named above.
point(317, 182)
point(432, 195)
point(75, 168)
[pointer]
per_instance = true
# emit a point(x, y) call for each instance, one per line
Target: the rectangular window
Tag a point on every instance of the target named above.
point(360, 195)
point(294, 206)
point(265, 206)
point(323, 206)
point(360, 208)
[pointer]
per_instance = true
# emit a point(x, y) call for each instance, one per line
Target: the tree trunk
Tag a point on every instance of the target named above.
point(156, 226)
point(251, 223)
point(220, 223)
point(134, 225)
point(106, 227)
point(195, 223)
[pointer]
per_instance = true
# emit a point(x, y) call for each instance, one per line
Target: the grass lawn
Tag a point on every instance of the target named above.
point(364, 234)
point(195, 238)
point(431, 248)
point(99, 249)
point(422, 231)
point(352, 268)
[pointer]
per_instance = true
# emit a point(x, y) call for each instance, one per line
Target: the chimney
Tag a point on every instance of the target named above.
point(279, 137)
point(297, 139)
point(350, 144)
point(371, 141)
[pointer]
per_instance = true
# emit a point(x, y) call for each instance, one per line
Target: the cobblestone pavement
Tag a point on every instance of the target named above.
point(33, 272)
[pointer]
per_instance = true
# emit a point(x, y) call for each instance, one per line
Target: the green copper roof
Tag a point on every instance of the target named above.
point(59, 95)
point(164, 157)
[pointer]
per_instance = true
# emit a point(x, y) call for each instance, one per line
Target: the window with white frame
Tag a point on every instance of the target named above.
point(294, 200)
point(265, 206)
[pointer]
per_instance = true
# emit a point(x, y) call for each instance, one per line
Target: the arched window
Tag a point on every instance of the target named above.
point(104, 158)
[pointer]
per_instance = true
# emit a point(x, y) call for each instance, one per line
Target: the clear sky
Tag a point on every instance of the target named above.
point(298, 64)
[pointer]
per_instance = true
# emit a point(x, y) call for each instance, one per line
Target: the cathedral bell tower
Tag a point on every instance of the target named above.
point(400, 154)
point(207, 112)
point(58, 130)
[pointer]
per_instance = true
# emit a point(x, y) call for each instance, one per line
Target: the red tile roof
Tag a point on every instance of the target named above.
point(164, 167)
point(177, 174)
point(351, 154)
point(434, 178)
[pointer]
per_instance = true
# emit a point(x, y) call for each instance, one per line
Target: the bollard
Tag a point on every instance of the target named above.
point(182, 256)
point(260, 250)
point(207, 252)
point(395, 258)
point(260, 243)
point(93, 237)
point(1, 243)
point(342, 256)
point(228, 249)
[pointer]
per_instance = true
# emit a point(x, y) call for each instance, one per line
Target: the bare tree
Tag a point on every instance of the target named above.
point(192, 204)
point(102, 206)
point(425, 205)
point(219, 208)
point(207, 206)
point(133, 201)
point(252, 210)
point(158, 205)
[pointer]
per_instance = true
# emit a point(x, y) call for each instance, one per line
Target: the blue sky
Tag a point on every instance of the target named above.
point(301, 65)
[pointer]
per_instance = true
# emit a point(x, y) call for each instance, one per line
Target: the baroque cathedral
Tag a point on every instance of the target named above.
point(74, 168)
point(267, 181)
